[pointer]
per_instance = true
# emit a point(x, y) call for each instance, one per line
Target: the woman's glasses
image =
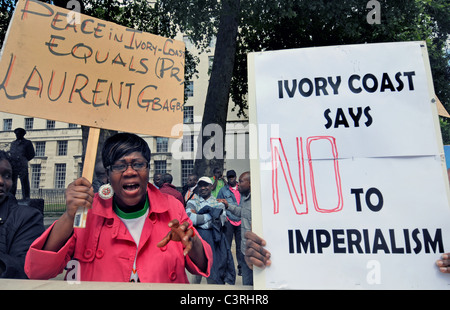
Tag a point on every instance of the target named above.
point(120, 168)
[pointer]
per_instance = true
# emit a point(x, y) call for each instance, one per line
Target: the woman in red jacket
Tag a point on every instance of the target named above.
point(139, 234)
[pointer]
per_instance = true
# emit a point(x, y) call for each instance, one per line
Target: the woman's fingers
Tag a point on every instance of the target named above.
point(180, 233)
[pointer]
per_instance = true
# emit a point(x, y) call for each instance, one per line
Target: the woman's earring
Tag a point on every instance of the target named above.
point(105, 191)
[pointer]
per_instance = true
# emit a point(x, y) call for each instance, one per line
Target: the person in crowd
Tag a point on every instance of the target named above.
point(217, 180)
point(22, 151)
point(244, 212)
point(169, 188)
point(255, 254)
point(203, 199)
point(252, 246)
point(208, 216)
point(137, 234)
point(100, 176)
point(19, 225)
point(190, 189)
point(229, 195)
point(158, 180)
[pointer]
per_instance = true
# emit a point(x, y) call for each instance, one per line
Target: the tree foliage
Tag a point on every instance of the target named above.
point(272, 25)
point(6, 11)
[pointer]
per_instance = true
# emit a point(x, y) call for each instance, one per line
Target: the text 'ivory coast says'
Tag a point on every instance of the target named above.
point(324, 86)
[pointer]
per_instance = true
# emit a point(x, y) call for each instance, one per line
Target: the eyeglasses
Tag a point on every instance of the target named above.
point(120, 168)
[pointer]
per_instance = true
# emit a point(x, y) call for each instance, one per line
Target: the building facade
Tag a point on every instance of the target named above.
point(57, 146)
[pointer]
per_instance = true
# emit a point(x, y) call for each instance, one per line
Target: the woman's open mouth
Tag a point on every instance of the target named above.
point(131, 187)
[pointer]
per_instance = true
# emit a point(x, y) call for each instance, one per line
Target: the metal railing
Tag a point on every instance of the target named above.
point(54, 200)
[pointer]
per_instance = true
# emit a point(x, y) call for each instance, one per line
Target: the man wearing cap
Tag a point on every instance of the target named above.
point(208, 217)
point(22, 151)
point(229, 195)
point(203, 199)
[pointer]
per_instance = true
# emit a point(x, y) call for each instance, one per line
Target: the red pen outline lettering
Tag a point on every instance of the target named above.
point(340, 203)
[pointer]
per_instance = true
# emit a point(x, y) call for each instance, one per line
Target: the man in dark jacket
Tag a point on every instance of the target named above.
point(229, 195)
point(19, 226)
point(190, 189)
point(22, 151)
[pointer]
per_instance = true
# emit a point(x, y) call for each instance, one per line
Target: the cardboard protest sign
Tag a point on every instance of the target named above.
point(350, 190)
point(78, 69)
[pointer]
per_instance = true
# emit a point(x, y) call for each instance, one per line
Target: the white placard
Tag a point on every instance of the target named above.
point(349, 183)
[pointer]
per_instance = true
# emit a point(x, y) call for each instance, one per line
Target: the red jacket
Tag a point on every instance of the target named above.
point(105, 250)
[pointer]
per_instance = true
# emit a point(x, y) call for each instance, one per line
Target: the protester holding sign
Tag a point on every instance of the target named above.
point(128, 235)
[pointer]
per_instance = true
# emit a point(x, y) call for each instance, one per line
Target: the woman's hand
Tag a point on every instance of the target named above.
point(191, 243)
point(180, 233)
point(79, 193)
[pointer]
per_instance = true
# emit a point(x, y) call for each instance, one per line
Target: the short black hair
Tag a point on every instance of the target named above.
point(167, 178)
point(122, 144)
point(6, 156)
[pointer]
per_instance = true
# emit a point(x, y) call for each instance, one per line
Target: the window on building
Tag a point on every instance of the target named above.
point(187, 167)
point(60, 175)
point(73, 125)
point(29, 122)
point(188, 114)
point(62, 148)
point(160, 166)
point(189, 89)
point(162, 144)
point(188, 143)
point(7, 124)
point(40, 148)
point(35, 176)
point(50, 124)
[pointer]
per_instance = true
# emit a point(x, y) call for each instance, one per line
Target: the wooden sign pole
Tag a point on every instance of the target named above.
point(88, 171)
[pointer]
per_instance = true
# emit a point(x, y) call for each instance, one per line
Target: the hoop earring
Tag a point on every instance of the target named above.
point(105, 191)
